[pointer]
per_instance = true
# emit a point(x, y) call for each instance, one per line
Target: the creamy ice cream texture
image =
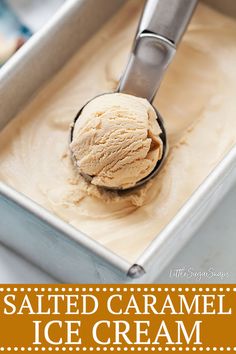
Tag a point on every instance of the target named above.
point(196, 99)
point(116, 140)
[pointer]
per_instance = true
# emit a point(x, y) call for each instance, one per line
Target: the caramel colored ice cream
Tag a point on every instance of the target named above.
point(196, 99)
point(116, 140)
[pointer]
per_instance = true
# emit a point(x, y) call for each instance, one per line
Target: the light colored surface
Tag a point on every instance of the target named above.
point(205, 74)
point(212, 247)
point(35, 13)
point(14, 269)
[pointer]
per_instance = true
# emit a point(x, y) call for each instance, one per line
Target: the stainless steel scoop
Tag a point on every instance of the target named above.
point(161, 27)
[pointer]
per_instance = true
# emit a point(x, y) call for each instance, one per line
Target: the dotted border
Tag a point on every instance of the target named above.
point(119, 289)
point(152, 348)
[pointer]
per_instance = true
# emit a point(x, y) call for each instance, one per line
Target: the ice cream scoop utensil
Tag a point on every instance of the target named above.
point(160, 30)
point(162, 24)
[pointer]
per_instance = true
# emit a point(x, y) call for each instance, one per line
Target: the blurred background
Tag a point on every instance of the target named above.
point(19, 19)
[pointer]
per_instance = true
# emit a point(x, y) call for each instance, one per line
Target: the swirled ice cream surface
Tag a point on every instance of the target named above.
point(196, 99)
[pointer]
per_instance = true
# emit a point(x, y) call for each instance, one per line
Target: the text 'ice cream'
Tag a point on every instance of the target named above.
point(116, 140)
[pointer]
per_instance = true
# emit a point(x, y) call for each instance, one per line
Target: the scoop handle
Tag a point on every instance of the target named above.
point(161, 27)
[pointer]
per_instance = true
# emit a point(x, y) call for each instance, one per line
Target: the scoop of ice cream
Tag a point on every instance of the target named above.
point(116, 140)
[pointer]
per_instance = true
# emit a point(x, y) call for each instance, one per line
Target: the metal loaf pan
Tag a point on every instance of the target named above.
point(43, 238)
